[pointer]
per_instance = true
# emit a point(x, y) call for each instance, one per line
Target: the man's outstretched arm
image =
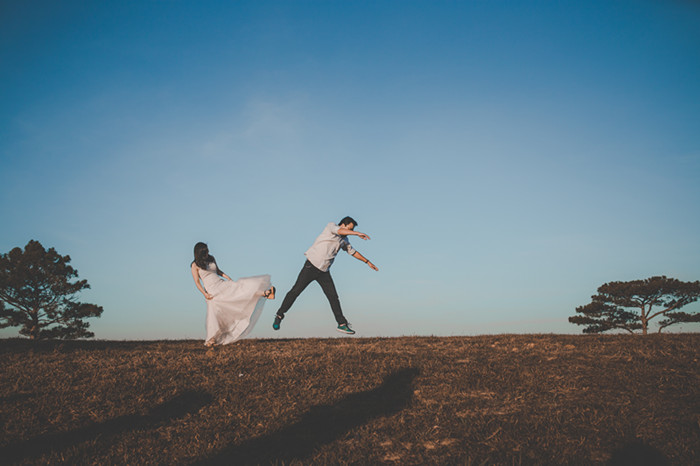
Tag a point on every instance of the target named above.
point(359, 256)
point(342, 231)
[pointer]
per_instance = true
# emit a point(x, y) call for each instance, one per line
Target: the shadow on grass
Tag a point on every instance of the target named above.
point(322, 424)
point(177, 407)
point(637, 453)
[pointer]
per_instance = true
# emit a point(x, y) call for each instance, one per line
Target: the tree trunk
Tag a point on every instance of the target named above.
point(35, 326)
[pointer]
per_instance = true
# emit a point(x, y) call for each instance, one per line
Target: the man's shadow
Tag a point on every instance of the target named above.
point(322, 424)
point(177, 407)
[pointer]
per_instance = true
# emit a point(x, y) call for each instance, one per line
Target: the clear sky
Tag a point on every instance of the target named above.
point(506, 157)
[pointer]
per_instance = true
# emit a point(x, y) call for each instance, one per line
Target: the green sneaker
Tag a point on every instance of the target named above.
point(345, 328)
point(276, 323)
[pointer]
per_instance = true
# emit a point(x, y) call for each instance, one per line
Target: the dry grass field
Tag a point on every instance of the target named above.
point(500, 399)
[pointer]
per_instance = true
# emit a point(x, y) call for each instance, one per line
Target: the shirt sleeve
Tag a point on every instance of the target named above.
point(333, 228)
point(346, 246)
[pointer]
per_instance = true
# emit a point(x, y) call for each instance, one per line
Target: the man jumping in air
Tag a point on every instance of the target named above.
point(319, 258)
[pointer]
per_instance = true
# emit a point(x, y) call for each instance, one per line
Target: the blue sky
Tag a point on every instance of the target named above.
point(507, 158)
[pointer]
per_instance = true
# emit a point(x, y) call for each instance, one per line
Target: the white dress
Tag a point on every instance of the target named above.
point(235, 306)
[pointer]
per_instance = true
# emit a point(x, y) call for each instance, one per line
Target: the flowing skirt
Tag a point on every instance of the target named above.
point(234, 308)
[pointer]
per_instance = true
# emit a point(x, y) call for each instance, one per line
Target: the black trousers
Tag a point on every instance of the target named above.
point(308, 274)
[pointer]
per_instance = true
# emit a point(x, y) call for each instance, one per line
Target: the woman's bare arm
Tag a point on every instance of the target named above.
point(195, 276)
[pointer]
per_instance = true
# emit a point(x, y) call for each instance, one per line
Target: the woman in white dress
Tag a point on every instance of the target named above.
point(233, 307)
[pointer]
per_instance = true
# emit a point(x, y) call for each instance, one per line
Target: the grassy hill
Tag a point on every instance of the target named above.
point(501, 399)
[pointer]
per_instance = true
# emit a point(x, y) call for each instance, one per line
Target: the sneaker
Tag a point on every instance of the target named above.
point(276, 323)
point(345, 328)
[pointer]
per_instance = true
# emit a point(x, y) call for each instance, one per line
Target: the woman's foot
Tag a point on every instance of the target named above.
point(270, 294)
point(209, 343)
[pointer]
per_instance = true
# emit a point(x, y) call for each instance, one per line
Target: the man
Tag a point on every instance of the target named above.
point(319, 258)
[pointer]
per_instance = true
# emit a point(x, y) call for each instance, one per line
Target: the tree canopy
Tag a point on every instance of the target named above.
point(632, 305)
point(37, 294)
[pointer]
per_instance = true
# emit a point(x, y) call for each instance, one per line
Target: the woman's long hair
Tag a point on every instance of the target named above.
point(202, 257)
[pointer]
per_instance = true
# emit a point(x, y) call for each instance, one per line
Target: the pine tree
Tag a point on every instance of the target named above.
point(632, 305)
point(36, 294)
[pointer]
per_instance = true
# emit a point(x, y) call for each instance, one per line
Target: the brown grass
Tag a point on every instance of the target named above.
point(503, 399)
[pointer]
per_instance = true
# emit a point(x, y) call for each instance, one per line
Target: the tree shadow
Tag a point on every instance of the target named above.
point(322, 424)
point(179, 406)
point(637, 453)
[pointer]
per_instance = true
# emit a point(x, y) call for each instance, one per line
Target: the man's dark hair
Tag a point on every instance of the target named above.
point(347, 221)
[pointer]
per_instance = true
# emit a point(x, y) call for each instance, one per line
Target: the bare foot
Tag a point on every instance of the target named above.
point(270, 294)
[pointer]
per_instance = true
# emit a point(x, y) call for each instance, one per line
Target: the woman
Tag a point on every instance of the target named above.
point(233, 307)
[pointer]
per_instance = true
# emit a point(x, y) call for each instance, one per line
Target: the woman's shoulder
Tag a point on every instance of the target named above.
point(207, 268)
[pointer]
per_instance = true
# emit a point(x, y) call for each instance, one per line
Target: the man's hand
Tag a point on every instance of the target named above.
point(362, 235)
point(372, 266)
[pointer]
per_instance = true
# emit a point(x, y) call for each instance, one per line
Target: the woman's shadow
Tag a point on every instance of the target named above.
point(322, 424)
point(177, 407)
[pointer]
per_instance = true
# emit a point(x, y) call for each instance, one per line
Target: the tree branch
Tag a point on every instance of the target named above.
point(675, 306)
point(13, 302)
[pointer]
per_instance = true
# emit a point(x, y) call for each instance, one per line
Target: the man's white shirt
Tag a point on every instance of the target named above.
point(322, 253)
